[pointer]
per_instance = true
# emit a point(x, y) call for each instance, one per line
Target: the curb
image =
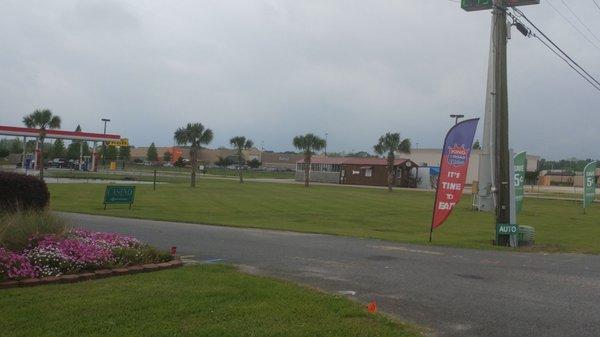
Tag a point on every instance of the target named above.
point(97, 274)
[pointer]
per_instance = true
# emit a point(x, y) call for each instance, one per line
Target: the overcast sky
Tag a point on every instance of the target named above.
point(273, 69)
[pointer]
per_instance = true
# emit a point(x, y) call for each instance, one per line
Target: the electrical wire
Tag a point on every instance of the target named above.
point(597, 87)
point(572, 25)
point(574, 63)
point(580, 21)
point(596, 3)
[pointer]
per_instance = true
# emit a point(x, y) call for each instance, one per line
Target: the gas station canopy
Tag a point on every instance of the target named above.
point(58, 134)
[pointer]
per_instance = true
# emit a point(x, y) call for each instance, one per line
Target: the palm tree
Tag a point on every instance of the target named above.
point(240, 144)
point(196, 135)
point(308, 143)
point(42, 120)
point(389, 144)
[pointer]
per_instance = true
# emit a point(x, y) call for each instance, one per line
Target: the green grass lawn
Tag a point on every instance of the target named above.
point(214, 171)
point(403, 215)
point(191, 301)
point(163, 174)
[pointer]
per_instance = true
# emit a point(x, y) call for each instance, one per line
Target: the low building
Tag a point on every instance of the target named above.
point(205, 155)
point(358, 171)
point(563, 178)
point(432, 157)
point(280, 160)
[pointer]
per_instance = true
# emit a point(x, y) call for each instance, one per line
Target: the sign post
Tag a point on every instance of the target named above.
point(119, 194)
point(589, 184)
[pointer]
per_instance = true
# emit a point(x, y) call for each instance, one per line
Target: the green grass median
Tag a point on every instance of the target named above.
point(403, 215)
point(207, 300)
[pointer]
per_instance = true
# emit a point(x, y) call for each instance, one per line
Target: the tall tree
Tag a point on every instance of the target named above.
point(196, 135)
point(240, 144)
point(74, 148)
point(16, 146)
point(125, 153)
point(476, 145)
point(42, 120)
point(389, 144)
point(167, 157)
point(308, 143)
point(111, 152)
point(58, 149)
point(152, 154)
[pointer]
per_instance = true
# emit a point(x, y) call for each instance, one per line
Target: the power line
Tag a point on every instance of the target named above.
point(596, 3)
point(580, 21)
point(572, 25)
point(563, 55)
point(567, 62)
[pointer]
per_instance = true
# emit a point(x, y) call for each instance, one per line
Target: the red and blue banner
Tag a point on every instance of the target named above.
point(453, 169)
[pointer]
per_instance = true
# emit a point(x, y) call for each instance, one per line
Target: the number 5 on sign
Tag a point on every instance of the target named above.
point(589, 189)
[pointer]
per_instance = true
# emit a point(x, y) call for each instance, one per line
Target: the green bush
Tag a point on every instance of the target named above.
point(140, 255)
point(22, 192)
point(16, 228)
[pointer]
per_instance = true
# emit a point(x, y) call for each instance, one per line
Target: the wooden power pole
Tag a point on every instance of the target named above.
point(500, 117)
point(495, 162)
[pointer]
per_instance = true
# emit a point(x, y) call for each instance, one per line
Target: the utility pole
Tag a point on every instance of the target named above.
point(326, 134)
point(495, 160)
point(500, 117)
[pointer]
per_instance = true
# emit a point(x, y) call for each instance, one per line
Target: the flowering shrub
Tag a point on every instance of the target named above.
point(15, 266)
point(78, 250)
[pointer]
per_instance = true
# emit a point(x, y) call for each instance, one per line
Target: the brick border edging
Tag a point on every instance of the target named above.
point(97, 274)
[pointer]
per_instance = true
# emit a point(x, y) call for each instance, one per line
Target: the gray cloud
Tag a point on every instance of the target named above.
point(273, 69)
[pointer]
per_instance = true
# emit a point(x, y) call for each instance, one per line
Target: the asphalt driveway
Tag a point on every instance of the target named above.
point(454, 292)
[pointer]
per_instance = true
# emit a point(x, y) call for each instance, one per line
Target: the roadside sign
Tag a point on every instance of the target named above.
point(119, 194)
point(520, 163)
point(453, 170)
point(504, 233)
point(507, 229)
point(119, 143)
point(589, 184)
point(480, 5)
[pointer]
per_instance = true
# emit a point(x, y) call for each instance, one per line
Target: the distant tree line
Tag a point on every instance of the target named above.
point(570, 165)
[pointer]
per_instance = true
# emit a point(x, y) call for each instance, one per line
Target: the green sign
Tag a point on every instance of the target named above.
point(589, 184)
point(504, 233)
point(118, 194)
point(520, 168)
point(507, 229)
point(480, 5)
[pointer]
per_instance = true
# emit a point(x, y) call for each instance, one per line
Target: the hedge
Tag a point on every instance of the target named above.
point(22, 192)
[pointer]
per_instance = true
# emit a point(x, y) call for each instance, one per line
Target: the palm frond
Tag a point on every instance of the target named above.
point(405, 146)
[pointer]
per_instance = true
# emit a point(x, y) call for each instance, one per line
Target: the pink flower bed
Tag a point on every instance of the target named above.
point(78, 250)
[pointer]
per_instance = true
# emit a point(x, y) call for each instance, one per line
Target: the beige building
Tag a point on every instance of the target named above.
point(207, 156)
point(548, 178)
point(279, 160)
point(431, 157)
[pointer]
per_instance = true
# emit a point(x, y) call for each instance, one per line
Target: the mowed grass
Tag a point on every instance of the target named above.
point(403, 215)
point(190, 301)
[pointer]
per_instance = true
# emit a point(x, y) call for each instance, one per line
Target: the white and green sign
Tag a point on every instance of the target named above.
point(589, 184)
point(520, 161)
point(505, 230)
point(119, 194)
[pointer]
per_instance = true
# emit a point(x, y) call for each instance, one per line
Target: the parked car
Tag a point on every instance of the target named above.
point(57, 163)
